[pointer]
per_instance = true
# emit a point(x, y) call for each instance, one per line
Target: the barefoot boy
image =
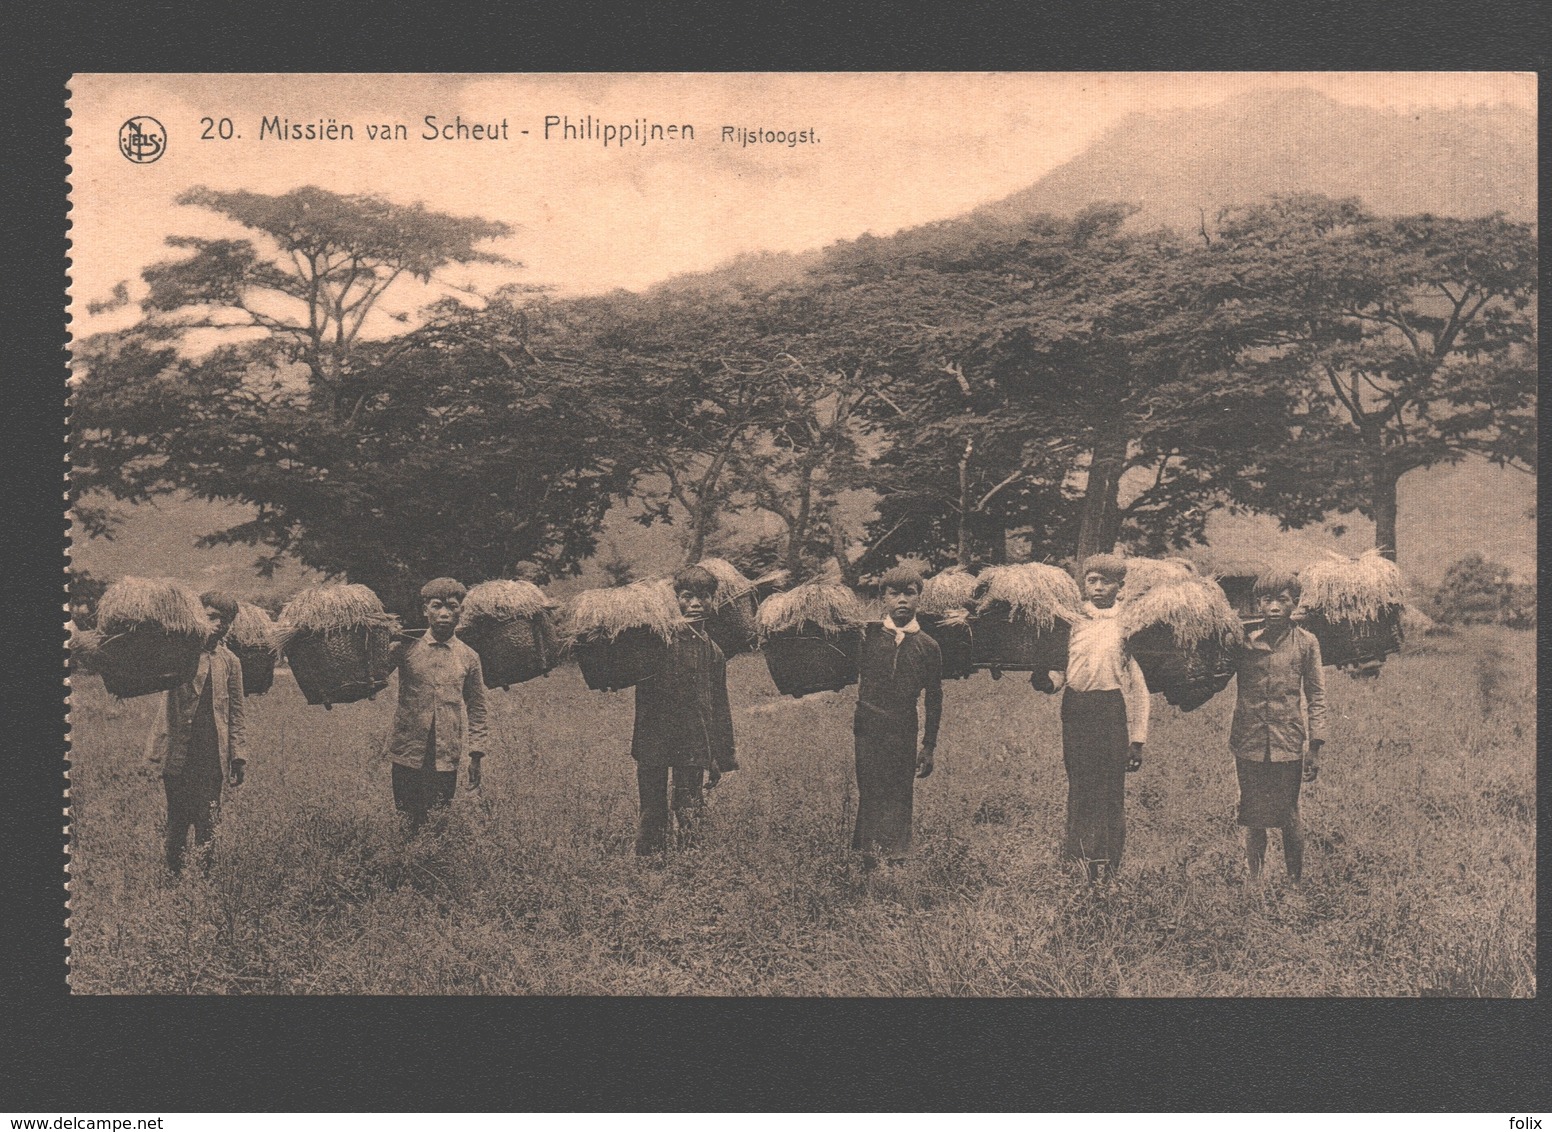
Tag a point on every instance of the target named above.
point(898, 664)
point(1279, 683)
point(1104, 721)
point(440, 682)
point(683, 725)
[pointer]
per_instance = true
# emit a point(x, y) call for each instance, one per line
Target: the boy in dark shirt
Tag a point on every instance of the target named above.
point(897, 664)
point(683, 723)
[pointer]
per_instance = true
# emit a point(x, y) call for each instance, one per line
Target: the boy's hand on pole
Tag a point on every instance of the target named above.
point(1134, 759)
point(924, 763)
point(474, 769)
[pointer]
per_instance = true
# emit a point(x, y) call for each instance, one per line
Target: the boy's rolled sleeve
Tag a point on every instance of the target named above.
point(1315, 690)
point(474, 700)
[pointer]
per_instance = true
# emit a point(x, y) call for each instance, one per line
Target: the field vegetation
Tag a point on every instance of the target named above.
point(1420, 878)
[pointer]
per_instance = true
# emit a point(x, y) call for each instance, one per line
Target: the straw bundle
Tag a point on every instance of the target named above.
point(164, 602)
point(731, 619)
point(821, 607)
point(510, 626)
point(253, 639)
point(606, 613)
point(1032, 592)
point(152, 632)
point(1352, 589)
point(953, 589)
point(1142, 574)
point(504, 600)
point(1194, 608)
point(336, 638)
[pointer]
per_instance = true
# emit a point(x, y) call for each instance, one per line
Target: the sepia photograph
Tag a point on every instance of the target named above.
point(870, 535)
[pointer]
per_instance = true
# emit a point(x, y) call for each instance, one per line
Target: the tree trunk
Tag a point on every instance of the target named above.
point(1384, 503)
point(962, 550)
point(797, 530)
point(1101, 519)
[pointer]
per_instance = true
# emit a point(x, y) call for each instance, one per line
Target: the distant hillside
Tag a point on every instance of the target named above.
point(1177, 167)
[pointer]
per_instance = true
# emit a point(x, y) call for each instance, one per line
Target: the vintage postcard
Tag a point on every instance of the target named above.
point(999, 535)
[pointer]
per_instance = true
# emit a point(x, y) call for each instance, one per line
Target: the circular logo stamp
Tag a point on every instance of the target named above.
point(142, 140)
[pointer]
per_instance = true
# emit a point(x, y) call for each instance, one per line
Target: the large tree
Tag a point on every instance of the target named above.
point(464, 445)
point(1413, 338)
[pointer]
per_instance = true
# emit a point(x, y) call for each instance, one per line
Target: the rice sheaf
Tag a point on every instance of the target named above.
point(829, 607)
point(165, 602)
point(1352, 589)
point(1035, 593)
point(647, 604)
point(503, 599)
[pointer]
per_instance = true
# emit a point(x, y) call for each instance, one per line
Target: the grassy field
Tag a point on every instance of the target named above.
point(1420, 877)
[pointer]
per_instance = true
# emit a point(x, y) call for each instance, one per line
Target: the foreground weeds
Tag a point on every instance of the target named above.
point(1420, 877)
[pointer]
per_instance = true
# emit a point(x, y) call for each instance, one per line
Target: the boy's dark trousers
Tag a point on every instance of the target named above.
point(194, 792)
point(417, 789)
point(652, 785)
point(1095, 750)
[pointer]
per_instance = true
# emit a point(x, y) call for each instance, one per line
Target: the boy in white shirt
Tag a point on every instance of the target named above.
point(1104, 720)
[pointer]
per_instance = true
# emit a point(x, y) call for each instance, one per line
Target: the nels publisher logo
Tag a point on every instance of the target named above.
point(142, 140)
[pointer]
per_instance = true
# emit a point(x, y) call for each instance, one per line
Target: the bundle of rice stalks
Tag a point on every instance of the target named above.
point(164, 602)
point(1352, 589)
point(821, 607)
point(152, 632)
point(618, 634)
point(1237, 575)
point(510, 625)
point(1193, 607)
point(503, 599)
point(1142, 574)
point(1183, 633)
point(253, 638)
point(1354, 606)
point(949, 591)
point(85, 645)
point(604, 614)
point(730, 621)
point(1031, 592)
point(337, 639)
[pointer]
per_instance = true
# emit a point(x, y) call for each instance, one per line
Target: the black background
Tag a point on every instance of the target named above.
point(87, 1055)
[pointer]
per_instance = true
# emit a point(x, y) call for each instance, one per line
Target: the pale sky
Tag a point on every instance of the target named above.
point(894, 150)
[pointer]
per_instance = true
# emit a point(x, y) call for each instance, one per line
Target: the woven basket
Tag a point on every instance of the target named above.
point(258, 667)
point(807, 659)
point(609, 665)
point(146, 658)
point(513, 651)
point(1016, 646)
point(954, 642)
point(732, 625)
point(1186, 676)
point(1350, 644)
point(340, 667)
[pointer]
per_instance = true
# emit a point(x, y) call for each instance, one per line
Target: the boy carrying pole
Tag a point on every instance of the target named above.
point(683, 725)
point(897, 665)
point(198, 736)
point(1281, 702)
point(440, 682)
point(1104, 720)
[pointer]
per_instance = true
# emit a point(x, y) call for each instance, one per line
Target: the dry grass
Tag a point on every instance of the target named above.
point(1420, 877)
point(1352, 589)
point(330, 609)
point(161, 601)
point(947, 592)
point(252, 628)
point(504, 600)
point(647, 604)
point(831, 608)
point(1033, 592)
point(1194, 608)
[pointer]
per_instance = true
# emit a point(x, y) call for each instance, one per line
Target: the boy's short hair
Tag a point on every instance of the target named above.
point(1270, 583)
point(697, 579)
point(222, 602)
point(1112, 566)
point(901, 578)
point(443, 589)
